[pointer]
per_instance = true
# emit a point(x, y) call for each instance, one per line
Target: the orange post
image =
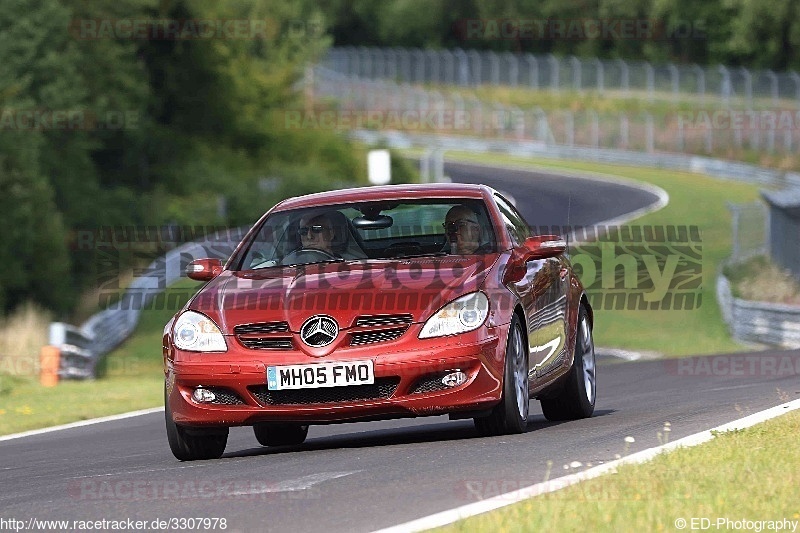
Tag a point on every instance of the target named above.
point(49, 360)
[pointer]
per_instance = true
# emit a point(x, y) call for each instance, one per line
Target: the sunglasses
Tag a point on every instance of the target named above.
point(315, 229)
point(457, 225)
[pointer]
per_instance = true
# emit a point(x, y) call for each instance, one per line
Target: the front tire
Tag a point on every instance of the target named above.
point(578, 396)
point(510, 416)
point(280, 434)
point(194, 444)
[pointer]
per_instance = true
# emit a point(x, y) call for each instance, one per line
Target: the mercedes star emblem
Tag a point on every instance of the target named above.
point(319, 331)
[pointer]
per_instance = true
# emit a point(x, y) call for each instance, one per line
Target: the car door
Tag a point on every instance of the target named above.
point(543, 293)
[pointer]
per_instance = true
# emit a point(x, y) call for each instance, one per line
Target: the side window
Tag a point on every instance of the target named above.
point(516, 225)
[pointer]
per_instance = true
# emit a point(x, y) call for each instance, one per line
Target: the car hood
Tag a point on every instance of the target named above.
point(418, 286)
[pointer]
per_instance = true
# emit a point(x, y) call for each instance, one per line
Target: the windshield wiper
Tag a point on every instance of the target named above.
point(429, 254)
point(336, 260)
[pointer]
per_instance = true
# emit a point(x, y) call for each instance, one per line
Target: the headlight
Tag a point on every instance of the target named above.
point(198, 333)
point(459, 316)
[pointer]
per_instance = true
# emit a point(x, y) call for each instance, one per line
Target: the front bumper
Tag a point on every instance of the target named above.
point(408, 379)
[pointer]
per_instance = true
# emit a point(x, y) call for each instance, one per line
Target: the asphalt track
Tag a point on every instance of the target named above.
point(365, 476)
point(549, 199)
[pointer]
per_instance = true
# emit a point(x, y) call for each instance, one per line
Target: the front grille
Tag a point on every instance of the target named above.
point(429, 383)
point(260, 336)
point(273, 343)
point(382, 388)
point(225, 396)
point(383, 320)
point(369, 337)
point(262, 328)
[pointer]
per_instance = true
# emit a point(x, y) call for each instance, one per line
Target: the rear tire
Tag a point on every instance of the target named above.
point(510, 416)
point(269, 434)
point(195, 443)
point(577, 398)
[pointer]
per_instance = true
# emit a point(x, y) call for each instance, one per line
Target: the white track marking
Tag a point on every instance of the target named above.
point(503, 500)
point(82, 423)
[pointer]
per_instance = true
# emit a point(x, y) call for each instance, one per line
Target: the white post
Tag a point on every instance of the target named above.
point(725, 85)
point(533, 70)
point(576, 73)
point(438, 165)
point(675, 79)
point(624, 77)
point(774, 81)
point(600, 76)
point(494, 68)
point(569, 127)
point(651, 81)
point(701, 80)
point(748, 86)
point(624, 131)
point(554, 84)
point(513, 69)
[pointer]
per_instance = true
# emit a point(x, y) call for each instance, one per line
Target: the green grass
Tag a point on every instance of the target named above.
point(132, 378)
point(749, 474)
point(694, 200)
point(610, 101)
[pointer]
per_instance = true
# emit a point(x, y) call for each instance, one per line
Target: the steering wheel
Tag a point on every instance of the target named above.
point(292, 257)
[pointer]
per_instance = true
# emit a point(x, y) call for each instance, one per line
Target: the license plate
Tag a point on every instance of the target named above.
point(319, 375)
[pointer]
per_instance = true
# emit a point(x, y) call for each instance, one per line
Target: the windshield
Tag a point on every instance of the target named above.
point(371, 230)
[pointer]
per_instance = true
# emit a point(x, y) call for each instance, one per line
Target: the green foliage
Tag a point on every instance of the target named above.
point(753, 33)
point(196, 131)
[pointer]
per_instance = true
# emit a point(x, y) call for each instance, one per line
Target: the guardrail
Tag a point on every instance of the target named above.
point(83, 347)
point(761, 322)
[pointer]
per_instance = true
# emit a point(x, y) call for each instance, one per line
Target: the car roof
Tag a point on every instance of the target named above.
point(387, 192)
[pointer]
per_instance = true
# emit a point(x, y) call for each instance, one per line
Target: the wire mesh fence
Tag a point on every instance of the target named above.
point(750, 230)
point(386, 104)
point(473, 68)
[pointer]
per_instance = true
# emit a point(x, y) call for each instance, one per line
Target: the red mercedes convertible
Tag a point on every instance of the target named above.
point(377, 303)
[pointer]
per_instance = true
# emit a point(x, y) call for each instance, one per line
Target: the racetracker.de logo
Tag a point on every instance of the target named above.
point(172, 29)
point(577, 29)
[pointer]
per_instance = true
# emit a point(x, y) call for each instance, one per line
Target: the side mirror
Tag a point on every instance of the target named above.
point(536, 247)
point(543, 246)
point(204, 269)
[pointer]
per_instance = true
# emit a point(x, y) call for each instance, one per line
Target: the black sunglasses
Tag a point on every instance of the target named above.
point(454, 226)
point(316, 229)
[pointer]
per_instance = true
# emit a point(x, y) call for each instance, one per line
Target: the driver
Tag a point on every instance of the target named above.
point(316, 233)
point(463, 231)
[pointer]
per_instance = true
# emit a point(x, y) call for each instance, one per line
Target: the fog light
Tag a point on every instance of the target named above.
point(201, 395)
point(454, 379)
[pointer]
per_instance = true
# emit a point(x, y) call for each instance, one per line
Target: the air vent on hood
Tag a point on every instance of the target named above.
point(264, 336)
point(262, 327)
point(369, 337)
point(383, 320)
